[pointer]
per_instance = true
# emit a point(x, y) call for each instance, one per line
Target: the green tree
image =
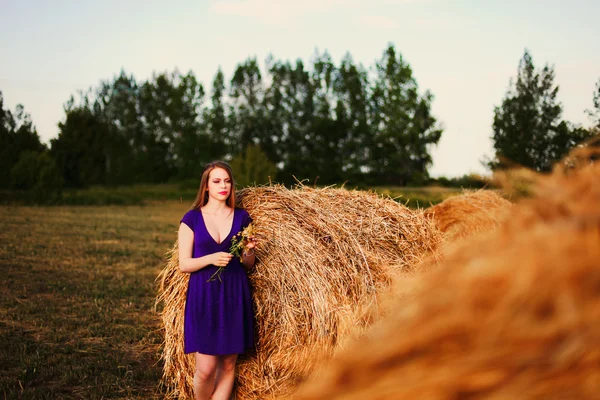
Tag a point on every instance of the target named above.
point(17, 135)
point(594, 114)
point(326, 142)
point(247, 114)
point(81, 148)
point(252, 167)
point(289, 105)
point(37, 173)
point(171, 111)
point(528, 126)
point(402, 126)
point(216, 121)
point(351, 86)
point(116, 105)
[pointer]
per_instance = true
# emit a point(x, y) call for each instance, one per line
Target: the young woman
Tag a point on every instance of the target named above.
point(219, 320)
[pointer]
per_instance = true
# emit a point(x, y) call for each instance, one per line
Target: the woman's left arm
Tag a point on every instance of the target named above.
point(248, 257)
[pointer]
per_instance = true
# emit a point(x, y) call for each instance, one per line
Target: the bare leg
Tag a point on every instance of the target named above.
point(204, 377)
point(225, 377)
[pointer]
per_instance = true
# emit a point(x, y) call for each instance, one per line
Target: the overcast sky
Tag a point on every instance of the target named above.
point(463, 51)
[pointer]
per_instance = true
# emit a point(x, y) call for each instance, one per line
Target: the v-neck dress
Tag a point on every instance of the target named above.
point(219, 318)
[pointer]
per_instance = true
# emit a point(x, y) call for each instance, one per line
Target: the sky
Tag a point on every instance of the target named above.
point(463, 51)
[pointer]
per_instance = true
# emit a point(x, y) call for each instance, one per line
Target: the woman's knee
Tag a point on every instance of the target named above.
point(228, 363)
point(204, 373)
point(205, 370)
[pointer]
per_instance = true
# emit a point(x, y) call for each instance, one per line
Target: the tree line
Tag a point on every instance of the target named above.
point(324, 122)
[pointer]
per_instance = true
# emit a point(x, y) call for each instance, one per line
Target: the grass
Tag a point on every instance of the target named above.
point(417, 197)
point(104, 195)
point(76, 305)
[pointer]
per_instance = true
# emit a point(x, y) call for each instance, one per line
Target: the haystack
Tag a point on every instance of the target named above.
point(511, 315)
point(469, 213)
point(323, 257)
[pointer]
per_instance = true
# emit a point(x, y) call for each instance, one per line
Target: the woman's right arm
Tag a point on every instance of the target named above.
point(186, 243)
point(189, 264)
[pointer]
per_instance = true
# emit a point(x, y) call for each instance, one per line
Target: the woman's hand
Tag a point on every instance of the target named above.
point(221, 259)
point(248, 257)
point(250, 244)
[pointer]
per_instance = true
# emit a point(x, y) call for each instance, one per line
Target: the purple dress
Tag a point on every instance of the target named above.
point(219, 318)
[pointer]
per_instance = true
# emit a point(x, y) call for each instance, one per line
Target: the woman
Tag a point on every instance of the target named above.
point(219, 320)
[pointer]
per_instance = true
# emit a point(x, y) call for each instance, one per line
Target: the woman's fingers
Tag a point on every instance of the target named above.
point(251, 243)
point(223, 259)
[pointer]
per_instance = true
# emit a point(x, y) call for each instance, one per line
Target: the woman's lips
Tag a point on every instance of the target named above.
point(223, 193)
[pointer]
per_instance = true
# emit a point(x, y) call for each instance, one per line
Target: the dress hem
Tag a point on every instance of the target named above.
point(220, 354)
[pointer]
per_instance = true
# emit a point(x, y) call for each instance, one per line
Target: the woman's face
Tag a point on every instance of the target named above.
point(219, 184)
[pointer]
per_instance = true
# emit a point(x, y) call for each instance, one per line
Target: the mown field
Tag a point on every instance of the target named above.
point(77, 316)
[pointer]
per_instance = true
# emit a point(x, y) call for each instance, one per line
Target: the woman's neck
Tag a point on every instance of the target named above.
point(214, 207)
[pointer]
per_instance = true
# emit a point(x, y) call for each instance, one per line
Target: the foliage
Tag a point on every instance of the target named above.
point(528, 128)
point(37, 174)
point(325, 122)
point(403, 128)
point(252, 167)
point(82, 149)
point(17, 135)
point(594, 114)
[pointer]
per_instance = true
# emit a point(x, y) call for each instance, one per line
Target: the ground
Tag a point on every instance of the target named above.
point(77, 316)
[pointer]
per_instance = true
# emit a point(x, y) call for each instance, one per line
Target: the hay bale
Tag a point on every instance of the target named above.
point(511, 315)
point(323, 256)
point(469, 213)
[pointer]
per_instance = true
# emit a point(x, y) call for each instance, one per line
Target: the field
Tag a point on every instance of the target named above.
point(77, 317)
point(139, 194)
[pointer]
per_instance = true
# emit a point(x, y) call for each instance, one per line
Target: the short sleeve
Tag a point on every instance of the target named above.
point(246, 219)
point(189, 219)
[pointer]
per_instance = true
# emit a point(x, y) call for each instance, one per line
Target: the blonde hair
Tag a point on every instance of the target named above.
point(202, 196)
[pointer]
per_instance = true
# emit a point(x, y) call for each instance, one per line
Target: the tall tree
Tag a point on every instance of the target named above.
point(595, 112)
point(17, 135)
point(171, 109)
point(193, 143)
point(528, 126)
point(328, 136)
point(402, 126)
point(116, 104)
point(247, 116)
point(351, 87)
point(80, 150)
point(215, 117)
point(290, 109)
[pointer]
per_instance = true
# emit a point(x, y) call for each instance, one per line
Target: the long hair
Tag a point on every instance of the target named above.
point(202, 196)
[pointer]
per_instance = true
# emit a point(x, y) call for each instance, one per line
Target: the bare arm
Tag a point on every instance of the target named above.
point(248, 259)
point(248, 256)
point(189, 264)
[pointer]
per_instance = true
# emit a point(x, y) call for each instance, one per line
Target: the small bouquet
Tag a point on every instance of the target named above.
point(238, 243)
point(240, 239)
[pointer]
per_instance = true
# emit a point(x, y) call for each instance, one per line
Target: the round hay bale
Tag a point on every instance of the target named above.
point(469, 213)
point(323, 256)
point(510, 315)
